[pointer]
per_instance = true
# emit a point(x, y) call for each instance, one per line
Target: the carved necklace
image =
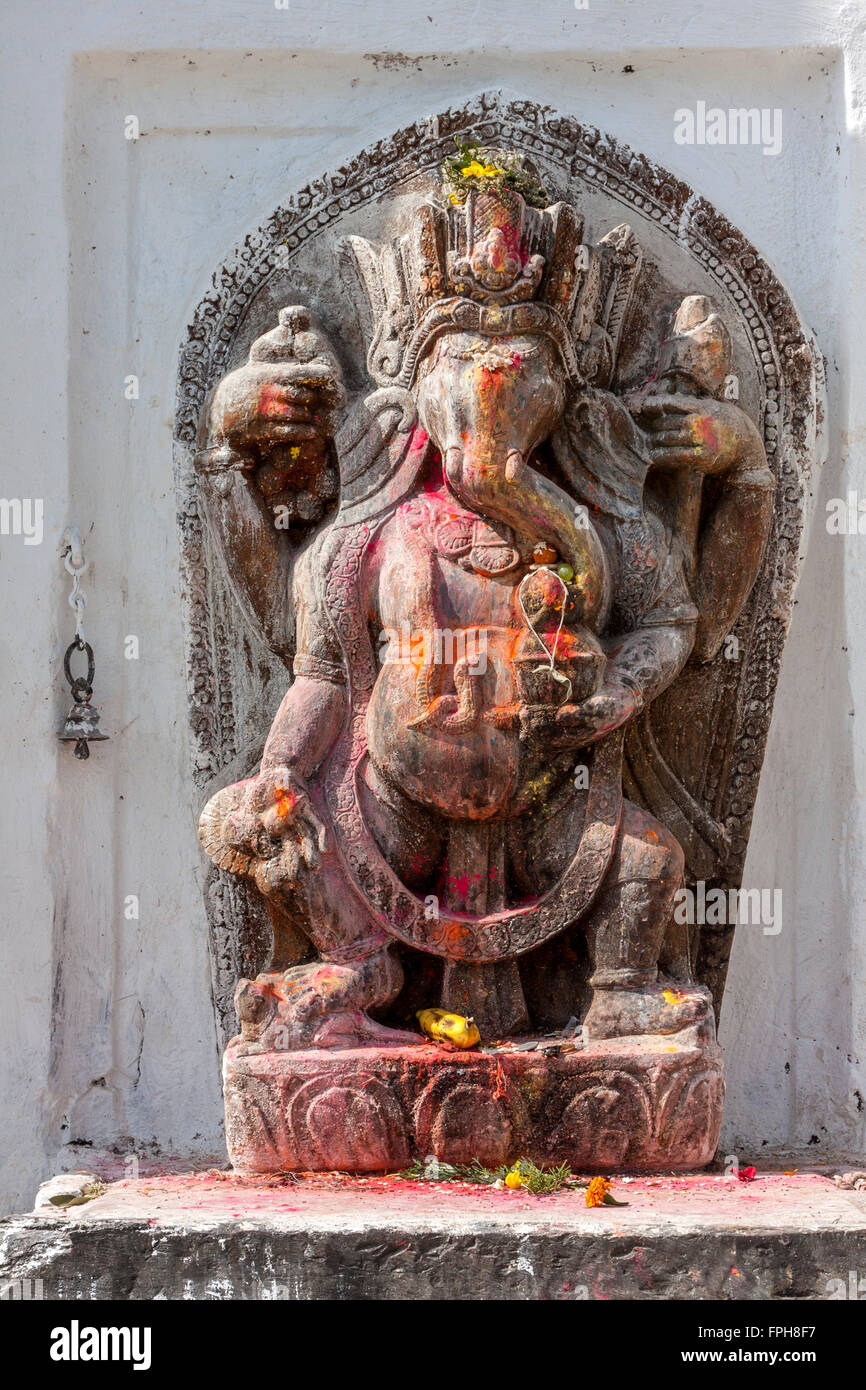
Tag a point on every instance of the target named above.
point(474, 544)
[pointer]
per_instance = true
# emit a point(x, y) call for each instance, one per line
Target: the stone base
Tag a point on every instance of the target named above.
point(632, 1105)
point(220, 1235)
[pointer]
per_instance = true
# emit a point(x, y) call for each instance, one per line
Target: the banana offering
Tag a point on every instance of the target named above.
point(442, 1026)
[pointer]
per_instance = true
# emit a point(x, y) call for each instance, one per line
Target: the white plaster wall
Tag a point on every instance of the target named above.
point(107, 1028)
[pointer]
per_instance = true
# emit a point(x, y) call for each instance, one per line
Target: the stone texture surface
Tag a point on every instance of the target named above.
point(639, 1104)
point(221, 1236)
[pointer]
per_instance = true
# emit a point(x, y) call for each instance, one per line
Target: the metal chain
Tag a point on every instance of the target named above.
point(75, 563)
point(82, 722)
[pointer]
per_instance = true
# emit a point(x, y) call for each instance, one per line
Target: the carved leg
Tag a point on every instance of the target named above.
point(491, 994)
point(321, 1003)
point(625, 932)
point(675, 959)
point(454, 713)
point(411, 837)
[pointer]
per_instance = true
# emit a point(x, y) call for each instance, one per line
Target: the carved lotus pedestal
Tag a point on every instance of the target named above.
point(638, 1104)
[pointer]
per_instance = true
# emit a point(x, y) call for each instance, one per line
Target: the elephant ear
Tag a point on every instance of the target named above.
point(381, 449)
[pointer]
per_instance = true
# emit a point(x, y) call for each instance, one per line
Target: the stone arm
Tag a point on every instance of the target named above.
point(256, 555)
point(268, 464)
point(314, 708)
point(709, 464)
point(650, 658)
point(640, 665)
point(695, 442)
point(306, 726)
point(604, 455)
point(278, 802)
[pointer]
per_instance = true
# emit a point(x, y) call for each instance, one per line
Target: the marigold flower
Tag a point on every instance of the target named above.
point(480, 171)
point(597, 1191)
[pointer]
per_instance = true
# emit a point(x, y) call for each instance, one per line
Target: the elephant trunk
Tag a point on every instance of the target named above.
point(510, 490)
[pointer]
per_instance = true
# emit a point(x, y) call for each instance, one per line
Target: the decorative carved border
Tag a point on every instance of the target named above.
point(596, 1110)
point(792, 405)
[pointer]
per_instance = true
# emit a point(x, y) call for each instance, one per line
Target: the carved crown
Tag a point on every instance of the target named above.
point(495, 266)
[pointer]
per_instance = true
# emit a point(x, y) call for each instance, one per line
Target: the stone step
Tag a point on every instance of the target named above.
point(220, 1235)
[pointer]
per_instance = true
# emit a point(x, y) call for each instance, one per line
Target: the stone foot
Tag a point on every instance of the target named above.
point(357, 1030)
point(660, 1008)
point(321, 1005)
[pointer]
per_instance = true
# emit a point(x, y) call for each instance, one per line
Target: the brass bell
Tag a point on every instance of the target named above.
point(82, 722)
point(82, 725)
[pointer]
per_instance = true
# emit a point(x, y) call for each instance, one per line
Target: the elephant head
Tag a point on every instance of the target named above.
point(487, 403)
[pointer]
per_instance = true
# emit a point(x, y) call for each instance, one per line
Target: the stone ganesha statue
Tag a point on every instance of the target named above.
point(483, 571)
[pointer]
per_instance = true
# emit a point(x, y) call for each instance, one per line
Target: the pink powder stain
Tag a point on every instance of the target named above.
point(270, 402)
point(511, 238)
point(704, 432)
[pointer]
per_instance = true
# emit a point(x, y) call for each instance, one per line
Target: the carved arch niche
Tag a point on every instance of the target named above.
point(235, 684)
